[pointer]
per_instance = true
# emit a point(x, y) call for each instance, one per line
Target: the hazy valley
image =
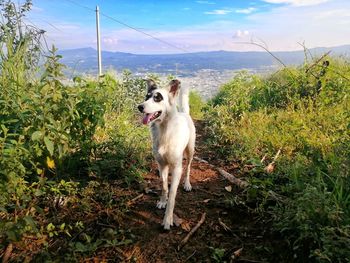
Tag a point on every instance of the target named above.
point(202, 71)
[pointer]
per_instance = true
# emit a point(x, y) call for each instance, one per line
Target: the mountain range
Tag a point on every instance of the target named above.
point(84, 60)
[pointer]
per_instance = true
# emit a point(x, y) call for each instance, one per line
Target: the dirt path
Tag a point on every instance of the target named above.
point(227, 229)
point(155, 245)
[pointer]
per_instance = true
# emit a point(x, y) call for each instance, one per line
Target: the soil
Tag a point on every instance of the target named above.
point(229, 232)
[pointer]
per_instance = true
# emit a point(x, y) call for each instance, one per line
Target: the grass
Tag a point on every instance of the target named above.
point(304, 112)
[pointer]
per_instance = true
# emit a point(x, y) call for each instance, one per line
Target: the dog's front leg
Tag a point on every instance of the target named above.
point(176, 176)
point(163, 170)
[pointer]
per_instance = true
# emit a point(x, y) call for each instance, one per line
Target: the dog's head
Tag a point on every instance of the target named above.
point(159, 101)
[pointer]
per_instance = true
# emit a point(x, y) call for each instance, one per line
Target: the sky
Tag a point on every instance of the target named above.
point(193, 25)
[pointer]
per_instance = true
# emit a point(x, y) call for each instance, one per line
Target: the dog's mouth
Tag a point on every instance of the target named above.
point(148, 117)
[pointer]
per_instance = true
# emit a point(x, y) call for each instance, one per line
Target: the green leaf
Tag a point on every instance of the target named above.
point(3, 127)
point(49, 145)
point(36, 135)
point(80, 247)
point(12, 235)
point(68, 234)
point(30, 222)
point(50, 227)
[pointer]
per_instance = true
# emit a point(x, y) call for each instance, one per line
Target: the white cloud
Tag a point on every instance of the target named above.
point(284, 28)
point(297, 2)
point(218, 12)
point(329, 14)
point(246, 10)
point(205, 2)
point(241, 33)
point(110, 40)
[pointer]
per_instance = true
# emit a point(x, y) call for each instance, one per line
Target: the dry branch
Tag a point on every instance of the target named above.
point(264, 48)
point(7, 253)
point(263, 159)
point(231, 178)
point(317, 61)
point(193, 230)
point(224, 226)
point(271, 166)
point(277, 155)
point(130, 202)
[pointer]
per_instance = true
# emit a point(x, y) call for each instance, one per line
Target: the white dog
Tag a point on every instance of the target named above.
point(173, 136)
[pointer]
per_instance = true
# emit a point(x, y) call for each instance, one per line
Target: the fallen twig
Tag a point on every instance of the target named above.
point(228, 229)
point(271, 166)
point(231, 178)
point(202, 161)
point(7, 253)
point(130, 202)
point(188, 258)
point(193, 230)
point(224, 226)
point(277, 154)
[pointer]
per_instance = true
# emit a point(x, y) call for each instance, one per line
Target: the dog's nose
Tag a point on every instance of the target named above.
point(141, 108)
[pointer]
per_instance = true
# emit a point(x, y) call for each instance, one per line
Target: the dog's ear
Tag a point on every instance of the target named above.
point(151, 85)
point(174, 87)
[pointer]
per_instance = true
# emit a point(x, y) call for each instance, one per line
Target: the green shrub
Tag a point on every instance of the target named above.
point(304, 112)
point(55, 137)
point(196, 105)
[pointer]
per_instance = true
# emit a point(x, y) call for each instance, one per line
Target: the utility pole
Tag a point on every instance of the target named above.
point(99, 58)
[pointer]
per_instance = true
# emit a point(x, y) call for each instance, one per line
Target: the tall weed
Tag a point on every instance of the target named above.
point(54, 136)
point(196, 105)
point(304, 112)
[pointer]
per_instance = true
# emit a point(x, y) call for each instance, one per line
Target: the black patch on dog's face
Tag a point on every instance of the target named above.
point(151, 85)
point(149, 95)
point(158, 97)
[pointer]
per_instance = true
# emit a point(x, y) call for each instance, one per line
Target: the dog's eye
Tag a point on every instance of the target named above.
point(158, 97)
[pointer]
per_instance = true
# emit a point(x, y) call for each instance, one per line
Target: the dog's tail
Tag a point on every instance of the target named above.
point(184, 104)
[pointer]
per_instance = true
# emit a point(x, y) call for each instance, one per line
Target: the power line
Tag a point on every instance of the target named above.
point(131, 27)
point(47, 22)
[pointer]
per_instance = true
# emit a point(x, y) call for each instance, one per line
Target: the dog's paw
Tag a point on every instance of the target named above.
point(161, 204)
point(167, 223)
point(166, 226)
point(187, 187)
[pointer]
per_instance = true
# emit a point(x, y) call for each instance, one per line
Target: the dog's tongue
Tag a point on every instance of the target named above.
point(147, 118)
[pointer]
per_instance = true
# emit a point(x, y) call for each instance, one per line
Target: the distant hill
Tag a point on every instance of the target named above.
point(85, 60)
